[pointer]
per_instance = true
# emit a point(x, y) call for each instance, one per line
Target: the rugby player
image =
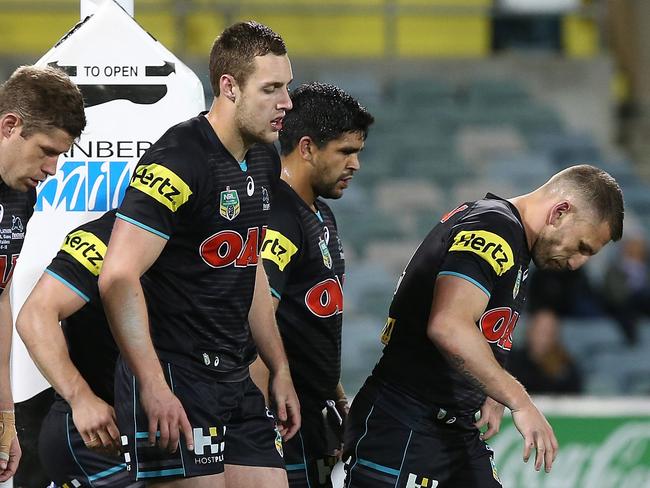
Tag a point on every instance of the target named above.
point(185, 295)
point(450, 328)
point(320, 144)
point(79, 442)
point(41, 113)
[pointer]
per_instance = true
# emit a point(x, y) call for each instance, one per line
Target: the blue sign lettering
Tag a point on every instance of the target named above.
point(80, 186)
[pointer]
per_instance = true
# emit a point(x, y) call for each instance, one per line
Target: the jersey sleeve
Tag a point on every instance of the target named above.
point(282, 245)
point(482, 250)
point(80, 259)
point(164, 184)
point(77, 271)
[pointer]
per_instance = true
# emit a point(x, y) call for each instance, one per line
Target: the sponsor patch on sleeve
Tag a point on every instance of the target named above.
point(161, 184)
point(278, 248)
point(488, 245)
point(86, 248)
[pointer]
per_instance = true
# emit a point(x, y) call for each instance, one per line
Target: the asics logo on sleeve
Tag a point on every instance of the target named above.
point(489, 246)
point(87, 249)
point(162, 184)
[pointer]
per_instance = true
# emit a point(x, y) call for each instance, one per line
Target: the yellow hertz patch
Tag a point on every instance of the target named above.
point(278, 248)
point(387, 331)
point(161, 184)
point(491, 247)
point(86, 248)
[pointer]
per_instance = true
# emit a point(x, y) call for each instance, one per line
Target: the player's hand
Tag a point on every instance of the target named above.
point(167, 416)
point(343, 408)
point(9, 462)
point(95, 422)
point(491, 415)
point(538, 434)
point(286, 403)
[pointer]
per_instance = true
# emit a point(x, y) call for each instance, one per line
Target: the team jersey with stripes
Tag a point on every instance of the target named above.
point(90, 343)
point(16, 208)
point(212, 211)
point(483, 242)
point(304, 260)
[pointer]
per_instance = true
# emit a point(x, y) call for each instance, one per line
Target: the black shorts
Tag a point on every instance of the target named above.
point(69, 462)
point(309, 455)
point(394, 440)
point(230, 421)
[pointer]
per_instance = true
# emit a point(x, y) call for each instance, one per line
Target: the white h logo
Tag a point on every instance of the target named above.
point(202, 441)
point(424, 483)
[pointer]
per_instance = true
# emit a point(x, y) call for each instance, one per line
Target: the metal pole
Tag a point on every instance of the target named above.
point(88, 7)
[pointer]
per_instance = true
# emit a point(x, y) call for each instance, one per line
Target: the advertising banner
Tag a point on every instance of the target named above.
point(604, 443)
point(134, 89)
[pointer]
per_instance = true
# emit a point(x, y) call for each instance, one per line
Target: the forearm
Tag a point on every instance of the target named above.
point(6, 329)
point(263, 326)
point(126, 311)
point(42, 335)
point(467, 351)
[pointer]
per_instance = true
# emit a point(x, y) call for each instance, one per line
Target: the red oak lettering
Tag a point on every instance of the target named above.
point(228, 247)
point(325, 298)
point(498, 325)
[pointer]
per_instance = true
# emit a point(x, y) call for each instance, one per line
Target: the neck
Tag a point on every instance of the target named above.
point(222, 119)
point(296, 173)
point(533, 214)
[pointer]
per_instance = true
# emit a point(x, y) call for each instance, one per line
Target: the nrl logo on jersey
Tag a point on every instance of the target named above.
point(327, 258)
point(229, 207)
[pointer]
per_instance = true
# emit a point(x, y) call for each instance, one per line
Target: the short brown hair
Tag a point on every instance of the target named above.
point(234, 51)
point(598, 190)
point(44, 98)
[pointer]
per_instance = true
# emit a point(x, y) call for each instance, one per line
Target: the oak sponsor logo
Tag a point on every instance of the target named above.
point(325, 299)
point(86, 248)
point(488, 245)
point(278, 249)
point(161, 184)
point(498, 324)
point(228, 247)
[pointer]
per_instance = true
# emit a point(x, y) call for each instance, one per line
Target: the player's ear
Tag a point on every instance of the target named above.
point(306, 148)
point(228, 87)
point(558, 212)
point(9, 122)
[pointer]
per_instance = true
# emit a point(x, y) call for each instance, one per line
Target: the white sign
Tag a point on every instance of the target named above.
point(134, 89)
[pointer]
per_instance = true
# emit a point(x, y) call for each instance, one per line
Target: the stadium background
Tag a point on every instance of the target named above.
point(469, 96)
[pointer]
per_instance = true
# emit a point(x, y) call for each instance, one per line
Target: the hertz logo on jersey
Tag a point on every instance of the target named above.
point(278, 248)
point(489, 246)
point(162, 184)
point(86, 248)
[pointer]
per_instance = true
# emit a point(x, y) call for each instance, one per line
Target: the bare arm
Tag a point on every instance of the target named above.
point(457, 306)
point(269, 344)
point(38, 325)
point(6, 329)
point(131, 252)
point(258, 370)
point(9, 446)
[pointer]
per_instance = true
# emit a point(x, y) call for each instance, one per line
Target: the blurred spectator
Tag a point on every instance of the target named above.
point(567, 293)
point(543, 365)
point(626, 286)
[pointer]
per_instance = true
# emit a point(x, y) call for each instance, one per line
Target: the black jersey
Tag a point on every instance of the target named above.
point(483, 242)
point(16, 208)
point(303, 258)
point(90, 343)
point(188, 189)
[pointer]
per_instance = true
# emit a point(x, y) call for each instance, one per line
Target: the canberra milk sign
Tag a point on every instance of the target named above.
point(134, 89)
